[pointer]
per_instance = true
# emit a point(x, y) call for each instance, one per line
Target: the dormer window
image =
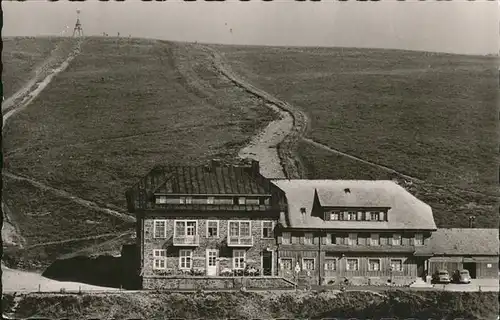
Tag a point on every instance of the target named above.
point(375, 216)
point(351, 215)
point(334, 215)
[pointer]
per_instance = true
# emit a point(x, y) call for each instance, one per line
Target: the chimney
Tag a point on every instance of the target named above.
point(255, 167)
point(303, 213)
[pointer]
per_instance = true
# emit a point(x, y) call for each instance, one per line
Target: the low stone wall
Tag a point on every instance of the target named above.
point(214, 283)
point(370, 281)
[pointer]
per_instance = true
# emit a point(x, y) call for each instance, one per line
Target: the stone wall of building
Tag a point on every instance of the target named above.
point(253, 253)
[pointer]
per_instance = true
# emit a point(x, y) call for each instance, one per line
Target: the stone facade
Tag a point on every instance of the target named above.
point(253, 253)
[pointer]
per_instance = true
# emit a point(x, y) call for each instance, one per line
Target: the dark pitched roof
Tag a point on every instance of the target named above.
point(208, 180)
point(466, 241)
point(240, 178)
point(406, 211)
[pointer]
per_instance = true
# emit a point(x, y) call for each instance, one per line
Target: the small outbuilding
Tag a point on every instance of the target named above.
point(473, 249)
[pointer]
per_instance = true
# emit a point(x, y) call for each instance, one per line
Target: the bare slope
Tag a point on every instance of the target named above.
point(120, 107)
point(428, 116)
point(390, 106)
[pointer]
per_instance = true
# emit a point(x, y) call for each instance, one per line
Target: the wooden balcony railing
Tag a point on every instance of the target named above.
point(240, 241)
point(192, 241)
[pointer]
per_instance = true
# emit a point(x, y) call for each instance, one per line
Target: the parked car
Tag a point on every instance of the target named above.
point(441, 276)
point(461, 276)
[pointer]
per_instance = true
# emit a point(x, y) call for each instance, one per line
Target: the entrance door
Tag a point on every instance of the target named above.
point(212, 255)
point(421, 268)
point(267, 263)
point(471, 266)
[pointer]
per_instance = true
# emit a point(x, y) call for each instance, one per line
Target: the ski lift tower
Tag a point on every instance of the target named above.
point(78, 25)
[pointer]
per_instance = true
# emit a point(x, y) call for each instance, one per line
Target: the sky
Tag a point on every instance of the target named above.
point(456, 26)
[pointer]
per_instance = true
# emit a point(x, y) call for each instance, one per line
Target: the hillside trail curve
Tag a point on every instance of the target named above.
point(290, 136)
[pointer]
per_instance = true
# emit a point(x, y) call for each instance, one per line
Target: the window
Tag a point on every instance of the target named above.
point(308, 238)
point(331, 238)
point(308, 264)
point(351, 215)
point(185, 259)
point(334, 216)
point(419, 239)
point(160, 229)
point(330, 264)
point(210, 200)
point(374, 239)
point(159, 259)
point(397, 264)
point(353, 239)
point(286, 237)
point(239, 229)
point(189, 200)
point(182, 200)
point(373, 264)
point(396, 239)
point(241, 200)
point(212, 228)
point(161, 199)
point(186, 228)
point(252, 201)
point(352, 265)
point(264, 201)
point(286, 264)
point(267, 230)
point(359, 216)
point(238, 259)
point(374, 216)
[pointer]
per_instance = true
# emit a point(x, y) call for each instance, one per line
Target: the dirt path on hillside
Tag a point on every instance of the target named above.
point(22, 93)
point(15, 280)
point(289, 136)
point(86, 203)
point(99, 236)
point(287, 155)
point(264, 147)
point(29, 92)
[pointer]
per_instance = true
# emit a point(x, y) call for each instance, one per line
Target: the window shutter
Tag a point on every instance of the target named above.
point(360, 215)
point(368, 216)
point(412, 241)
point(382, 217)
point(323, 239)
point(315, 239)
point(280, 239)
point(301, 239)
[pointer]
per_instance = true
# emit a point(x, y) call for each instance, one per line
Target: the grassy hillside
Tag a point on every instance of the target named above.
point(420, 305)
point(120, 108)
point(428, 115)
point(22, 57)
